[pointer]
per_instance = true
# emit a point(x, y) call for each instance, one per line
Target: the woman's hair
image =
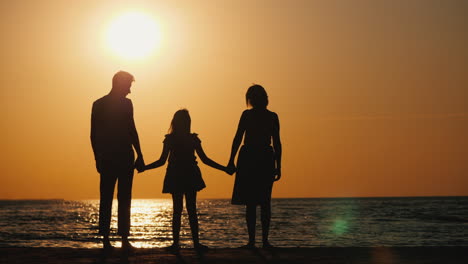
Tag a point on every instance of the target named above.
point(256, 96)
point(180, 123)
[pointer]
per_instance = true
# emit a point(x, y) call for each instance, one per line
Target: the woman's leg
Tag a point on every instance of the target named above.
point(250, 217)
point(266, 217)
point(176, 215)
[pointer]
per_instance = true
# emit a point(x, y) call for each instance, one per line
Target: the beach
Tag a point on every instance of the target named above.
point(338, 255)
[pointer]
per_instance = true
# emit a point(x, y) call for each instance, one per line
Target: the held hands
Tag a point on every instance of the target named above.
point(140, 164)
point(231, 168)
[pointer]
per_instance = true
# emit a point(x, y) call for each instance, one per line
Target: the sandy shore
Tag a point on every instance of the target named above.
point(281, 255)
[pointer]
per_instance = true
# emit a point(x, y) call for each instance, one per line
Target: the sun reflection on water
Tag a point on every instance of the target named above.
point(151, 222)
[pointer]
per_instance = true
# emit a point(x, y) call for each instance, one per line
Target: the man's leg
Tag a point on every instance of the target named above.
point(106, 187)
point(124, 197)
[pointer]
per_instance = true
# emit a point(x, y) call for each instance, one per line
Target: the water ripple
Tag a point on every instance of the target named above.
point(430, 221)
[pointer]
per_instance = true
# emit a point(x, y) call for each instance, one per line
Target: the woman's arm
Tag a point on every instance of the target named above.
point(277, 147)
point(161, 161)
point(237, 140)
point(208, 161)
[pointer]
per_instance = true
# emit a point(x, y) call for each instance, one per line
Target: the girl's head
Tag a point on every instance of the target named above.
point(180, 123)
point(256, 97)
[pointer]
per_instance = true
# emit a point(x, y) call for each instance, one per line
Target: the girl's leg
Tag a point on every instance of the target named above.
point(266, 217)
point(176, 215)
point(191, 205)
point(250, 217)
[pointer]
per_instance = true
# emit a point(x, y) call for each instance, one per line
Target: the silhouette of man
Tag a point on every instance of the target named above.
point(113, 133)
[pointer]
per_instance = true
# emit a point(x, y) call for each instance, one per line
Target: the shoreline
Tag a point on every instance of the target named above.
point(229, 198)
point(299, 255)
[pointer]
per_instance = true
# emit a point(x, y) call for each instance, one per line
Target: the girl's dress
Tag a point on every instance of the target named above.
point(182, 174)
point(256, 160)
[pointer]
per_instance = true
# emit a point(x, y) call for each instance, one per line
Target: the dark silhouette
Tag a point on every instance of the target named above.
point(183, 176)
point(113, 133)
point(258, 164)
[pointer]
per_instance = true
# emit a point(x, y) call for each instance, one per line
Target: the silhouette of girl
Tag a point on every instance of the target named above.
point(258, 164)
point(183, 176)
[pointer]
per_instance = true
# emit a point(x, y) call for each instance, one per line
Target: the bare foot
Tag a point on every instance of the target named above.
point(106, 245)
point(127, 246)
point(200, 247)
point(248, 246)
point(267, 245)
point(174, 248)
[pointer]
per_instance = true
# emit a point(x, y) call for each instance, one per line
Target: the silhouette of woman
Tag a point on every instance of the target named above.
point(183, 176)
point(258, 164)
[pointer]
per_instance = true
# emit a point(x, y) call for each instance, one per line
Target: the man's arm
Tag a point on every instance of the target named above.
point(135, 139)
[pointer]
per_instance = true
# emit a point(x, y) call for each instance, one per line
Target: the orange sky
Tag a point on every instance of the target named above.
point(372, 95)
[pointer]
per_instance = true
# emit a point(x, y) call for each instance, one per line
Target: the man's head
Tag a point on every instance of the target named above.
point(121, 83)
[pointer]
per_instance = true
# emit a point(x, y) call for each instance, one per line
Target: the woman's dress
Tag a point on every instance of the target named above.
point(256, 160)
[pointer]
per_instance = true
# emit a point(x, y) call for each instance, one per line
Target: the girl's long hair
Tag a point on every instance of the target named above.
point(180, 123)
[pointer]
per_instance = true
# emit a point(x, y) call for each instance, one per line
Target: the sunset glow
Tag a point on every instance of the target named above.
point(133, 35)
point(371, 95)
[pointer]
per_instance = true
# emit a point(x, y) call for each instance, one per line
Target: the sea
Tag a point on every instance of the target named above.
point(308, 222)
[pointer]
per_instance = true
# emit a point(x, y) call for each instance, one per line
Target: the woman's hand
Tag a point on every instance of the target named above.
point(98, 165)
point(277, 174)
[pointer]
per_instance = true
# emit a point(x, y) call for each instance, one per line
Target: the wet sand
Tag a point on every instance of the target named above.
point(383, 255)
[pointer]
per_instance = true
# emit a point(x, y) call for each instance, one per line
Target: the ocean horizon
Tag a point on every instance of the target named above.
point(224, 198)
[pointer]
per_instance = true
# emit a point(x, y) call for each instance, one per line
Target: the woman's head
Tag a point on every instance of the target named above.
point(256, 96)
point(180, 123)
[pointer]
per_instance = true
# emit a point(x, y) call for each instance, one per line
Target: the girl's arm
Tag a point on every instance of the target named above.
point(237, 140)
point(207, 160)
point(277, 147)
point(161, 161)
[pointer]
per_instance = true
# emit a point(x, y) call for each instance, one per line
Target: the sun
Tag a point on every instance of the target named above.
point(133, 35)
